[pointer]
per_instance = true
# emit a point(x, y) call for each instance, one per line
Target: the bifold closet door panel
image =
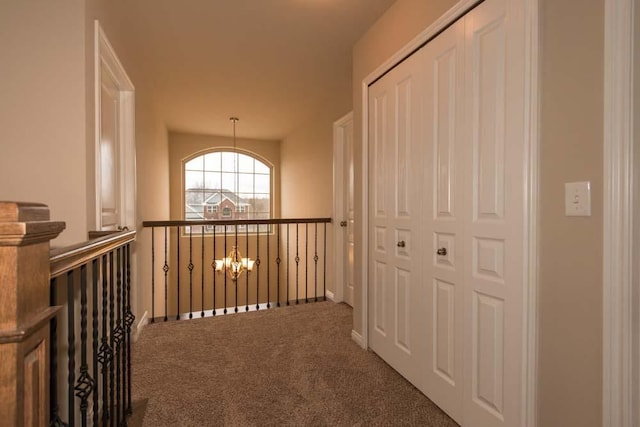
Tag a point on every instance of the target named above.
point(442, 62)
point(494, 232)
point(396, 304)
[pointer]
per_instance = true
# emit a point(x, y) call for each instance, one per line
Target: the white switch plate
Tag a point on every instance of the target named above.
point(577, 198)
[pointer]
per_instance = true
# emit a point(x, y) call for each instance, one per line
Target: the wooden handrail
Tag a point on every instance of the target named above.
point(68, 258)
point(182, 223)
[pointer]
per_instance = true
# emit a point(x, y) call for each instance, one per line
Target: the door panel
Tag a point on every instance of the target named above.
point(395, 201)
point(444, 84)
point(494, 232)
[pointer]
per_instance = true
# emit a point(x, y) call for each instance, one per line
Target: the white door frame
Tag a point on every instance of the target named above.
point(339, 209)
point(620, 248)
point(104, 55)
point(531, 93)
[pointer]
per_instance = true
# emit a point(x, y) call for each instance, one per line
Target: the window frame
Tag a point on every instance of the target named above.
point(225, 149)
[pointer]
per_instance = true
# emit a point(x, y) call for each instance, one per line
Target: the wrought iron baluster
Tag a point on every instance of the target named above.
point(306, 263)
point(268, 267)
point(224, 268)
point(118, 332)
point(257, 263)
point(56, 421)
point(235, 274)
point(213, 267)
point(246, 295)
point(124, 347)
point(202, 273)
point(288, 258)
point(153, 275)
point(190, 267)
point(165, 268)
point(297, 259)
point(179, 267)
point(130, 318)
point(324, 263)
point(71, 342)
point(315, 260)
point(85, 384)
point(278, 260)
point(112, 391)
point(94, 338)
point(105, 353)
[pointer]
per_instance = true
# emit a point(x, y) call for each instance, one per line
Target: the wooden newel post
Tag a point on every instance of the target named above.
point(25, 312)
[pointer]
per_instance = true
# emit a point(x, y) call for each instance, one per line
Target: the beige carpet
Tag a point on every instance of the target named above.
point(288, 366)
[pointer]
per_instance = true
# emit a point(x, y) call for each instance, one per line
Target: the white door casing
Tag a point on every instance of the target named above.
point(499, 213)
point(621, 239)
point(115, 139)
point(344, 209)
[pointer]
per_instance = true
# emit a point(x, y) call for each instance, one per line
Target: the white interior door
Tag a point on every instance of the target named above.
point(396, 313)
point(344, 208)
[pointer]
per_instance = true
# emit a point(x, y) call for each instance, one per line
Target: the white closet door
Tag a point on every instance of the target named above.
point(396, 310)
point(494, 232)
point(442, 61)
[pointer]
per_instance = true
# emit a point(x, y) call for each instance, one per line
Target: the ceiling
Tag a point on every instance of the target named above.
point(273, 63)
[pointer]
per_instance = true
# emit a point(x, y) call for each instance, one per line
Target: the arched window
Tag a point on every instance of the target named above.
point(226, 185)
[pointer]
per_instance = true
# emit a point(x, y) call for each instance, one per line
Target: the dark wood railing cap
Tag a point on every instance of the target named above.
point(68, 258)
point(23, 223)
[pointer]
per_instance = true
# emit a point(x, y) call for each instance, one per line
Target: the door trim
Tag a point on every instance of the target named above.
point(530, 315)
point(619, 285)
point(104, 54)
point(338, 206)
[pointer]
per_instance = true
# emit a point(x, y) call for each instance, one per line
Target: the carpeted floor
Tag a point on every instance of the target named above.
point(288, 366)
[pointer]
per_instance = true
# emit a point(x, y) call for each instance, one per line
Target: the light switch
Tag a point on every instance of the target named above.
point(577, 198)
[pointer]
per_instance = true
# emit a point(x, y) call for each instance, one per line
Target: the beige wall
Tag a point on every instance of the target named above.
point(307, 165)
point(570, 294)
point(47, 116)
point(42, 109)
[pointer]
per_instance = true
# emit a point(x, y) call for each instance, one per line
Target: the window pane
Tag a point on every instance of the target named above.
point(228, 161)
point(212, 180)
point(262, 168)
point(246, 163)
point(246, 182)
point(212, 161)
point(229, 181)
point(263, 184)
point(193, 179)
point(194, 164)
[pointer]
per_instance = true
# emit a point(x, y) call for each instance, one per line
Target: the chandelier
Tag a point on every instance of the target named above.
point(234, 264)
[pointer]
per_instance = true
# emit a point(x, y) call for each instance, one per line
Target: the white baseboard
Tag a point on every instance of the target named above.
point(141, 324)
point(357, 338)
point(330, 295)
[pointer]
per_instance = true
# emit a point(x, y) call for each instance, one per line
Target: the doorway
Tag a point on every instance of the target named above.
point(344, 209)
point(115, 139)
